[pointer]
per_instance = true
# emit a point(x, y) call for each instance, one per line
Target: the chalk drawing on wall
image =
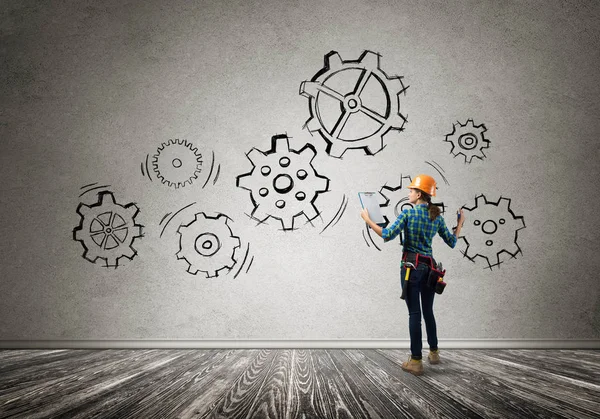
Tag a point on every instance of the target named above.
point(353, 103)
point(283, 183)
point(491, 231)
point(107, 230)
point(439, 169)
point(176, 163)
point(92, 187)
point(468, 140)
point(208, 245)
point(338, 215)
point(394, 200)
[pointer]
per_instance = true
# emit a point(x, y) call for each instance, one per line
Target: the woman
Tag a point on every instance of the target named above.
point(420, 224)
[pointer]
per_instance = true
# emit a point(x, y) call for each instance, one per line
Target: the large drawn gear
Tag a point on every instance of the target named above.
point(283, 184)
point(207, 244)
point(177, 163)
point(468, 139)
point(492, 229)
point(107, 230)
point(353, 103)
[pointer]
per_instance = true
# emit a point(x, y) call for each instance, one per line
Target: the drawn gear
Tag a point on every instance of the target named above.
point(107, 230)
point(207, 244)
point(494, 230)
point(424, 183)
point(353, 103)
point(468, 139)
point(283, 183)
point(177, 163)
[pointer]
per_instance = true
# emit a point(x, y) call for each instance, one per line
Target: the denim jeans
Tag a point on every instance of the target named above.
point(417, 286)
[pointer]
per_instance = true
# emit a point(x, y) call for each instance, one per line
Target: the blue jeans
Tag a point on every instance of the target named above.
point(417, 285)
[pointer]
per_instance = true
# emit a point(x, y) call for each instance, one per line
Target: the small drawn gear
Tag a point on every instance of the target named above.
point(353, 103)
point(107, 230)
point(177, 163)
point(468, 139)
point(285, 185)
point(493, 229)
point(207, 244)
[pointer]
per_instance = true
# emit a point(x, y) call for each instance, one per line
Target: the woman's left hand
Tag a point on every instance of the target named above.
point(365, 215)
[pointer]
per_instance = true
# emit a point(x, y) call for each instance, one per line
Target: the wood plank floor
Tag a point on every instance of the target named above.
point(298, 383)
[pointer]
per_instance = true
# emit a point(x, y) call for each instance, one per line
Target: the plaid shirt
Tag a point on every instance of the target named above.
point(419, 230)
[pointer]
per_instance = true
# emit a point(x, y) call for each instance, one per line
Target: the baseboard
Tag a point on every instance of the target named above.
point(299, 344)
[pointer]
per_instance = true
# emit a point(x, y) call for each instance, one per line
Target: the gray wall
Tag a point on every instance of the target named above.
point(89, 90)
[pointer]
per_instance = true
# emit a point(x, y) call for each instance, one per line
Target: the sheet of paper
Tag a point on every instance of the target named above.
point(369, 201)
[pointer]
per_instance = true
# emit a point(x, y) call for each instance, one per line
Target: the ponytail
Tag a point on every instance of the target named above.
point(433, 209)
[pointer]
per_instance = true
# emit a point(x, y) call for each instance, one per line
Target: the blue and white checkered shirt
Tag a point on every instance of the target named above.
point(419, 230)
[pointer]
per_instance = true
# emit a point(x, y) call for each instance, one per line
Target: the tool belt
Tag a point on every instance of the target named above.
point(436, 273)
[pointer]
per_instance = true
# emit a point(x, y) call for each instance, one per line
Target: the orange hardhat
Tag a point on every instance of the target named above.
point(424, 183)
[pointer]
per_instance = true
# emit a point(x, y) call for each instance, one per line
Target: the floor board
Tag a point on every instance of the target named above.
point(297, 383)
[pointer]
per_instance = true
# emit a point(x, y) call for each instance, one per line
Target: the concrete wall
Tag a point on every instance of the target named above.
point(91, 91)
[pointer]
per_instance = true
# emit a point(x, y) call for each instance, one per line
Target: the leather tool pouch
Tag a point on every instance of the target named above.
point(436, 279)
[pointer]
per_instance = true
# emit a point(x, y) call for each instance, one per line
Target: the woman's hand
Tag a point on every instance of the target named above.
point(461, 217)
point(365, 215)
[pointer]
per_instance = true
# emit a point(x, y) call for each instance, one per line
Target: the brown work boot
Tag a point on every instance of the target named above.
point(434, 357)
point(413, 366)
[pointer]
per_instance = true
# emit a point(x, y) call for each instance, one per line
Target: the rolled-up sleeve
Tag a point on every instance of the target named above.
point(391, 232)
point(445, 234)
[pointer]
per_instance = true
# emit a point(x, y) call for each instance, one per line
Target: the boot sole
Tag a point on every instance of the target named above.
point(413, 372)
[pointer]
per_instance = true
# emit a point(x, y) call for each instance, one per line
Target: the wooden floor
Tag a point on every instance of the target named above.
point(333, 383)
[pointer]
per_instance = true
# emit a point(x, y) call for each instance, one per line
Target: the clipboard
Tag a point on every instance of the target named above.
point(368, 200)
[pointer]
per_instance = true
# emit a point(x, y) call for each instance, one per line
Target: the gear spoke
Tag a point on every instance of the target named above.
point(339, 126)
point(330, 92)
point(382, 120)
point(362, 82)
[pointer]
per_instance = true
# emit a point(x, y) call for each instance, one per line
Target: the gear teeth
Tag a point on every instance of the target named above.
point(396, 121)
point(243, 180)
point(337, 149)
point(313, 125)
point(256, 156)
point(480, 201)
point(279, 143)
point(504, 204)
point(83, 209)
point(107, 198)
point(311, 212)
point(129, 253)
point(323, 184)
point(374, 145)
point(334, 61)
point(309, 88)
point(370, 60)
point(132, 210)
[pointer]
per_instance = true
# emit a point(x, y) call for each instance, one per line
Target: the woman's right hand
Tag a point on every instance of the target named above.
point(460, 217)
